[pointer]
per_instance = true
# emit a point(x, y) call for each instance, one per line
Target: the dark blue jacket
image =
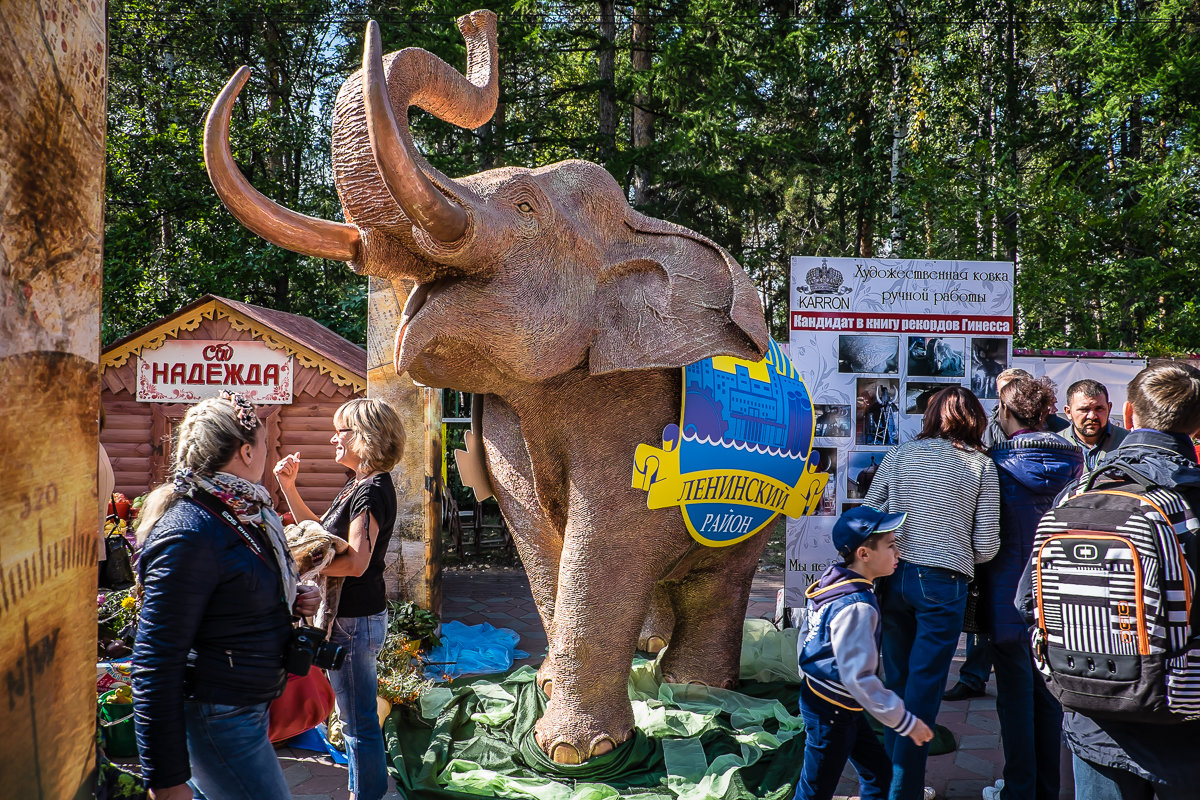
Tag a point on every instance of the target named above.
point(213, 627)
point(1033, 468)
point(1161, 753)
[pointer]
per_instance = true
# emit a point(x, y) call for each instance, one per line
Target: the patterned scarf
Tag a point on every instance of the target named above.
point(251, 503)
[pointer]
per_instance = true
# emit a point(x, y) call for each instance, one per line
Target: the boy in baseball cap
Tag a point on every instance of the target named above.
point(839, 658)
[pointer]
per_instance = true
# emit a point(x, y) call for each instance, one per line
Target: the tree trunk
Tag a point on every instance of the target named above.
point(643, 117)
point(606, 59)
point(900, 46)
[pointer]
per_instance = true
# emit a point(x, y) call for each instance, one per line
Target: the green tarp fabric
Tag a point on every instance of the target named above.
point(690, 742)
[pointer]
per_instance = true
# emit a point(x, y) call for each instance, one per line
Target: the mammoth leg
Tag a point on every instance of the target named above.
point(607, 576)
point(660, 619)
point(710, 604)
point(537, 535)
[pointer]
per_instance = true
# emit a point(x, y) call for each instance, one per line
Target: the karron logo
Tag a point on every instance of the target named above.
point(1085, 552)
point(823, 280)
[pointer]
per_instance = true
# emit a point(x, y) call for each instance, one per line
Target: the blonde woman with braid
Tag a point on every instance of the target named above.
point(219, 595)
point(368, 438)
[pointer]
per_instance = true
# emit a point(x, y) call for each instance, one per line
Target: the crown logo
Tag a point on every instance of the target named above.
point(824, 279)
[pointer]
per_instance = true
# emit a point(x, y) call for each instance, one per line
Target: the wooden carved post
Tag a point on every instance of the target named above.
point(52, 96)
point(408, 575)
point(433, 498)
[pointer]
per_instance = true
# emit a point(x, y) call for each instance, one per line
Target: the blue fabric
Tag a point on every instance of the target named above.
point(832, 736)
point(977, 667)
point(1033, 468)
point(1030, 725)
point(211, 609)
point(838, 588)
point(922, 619)
point(232, 759)
point(308, 740)
point(356, 685)
point(468, 649)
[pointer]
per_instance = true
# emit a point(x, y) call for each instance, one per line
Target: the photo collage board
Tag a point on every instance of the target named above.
point(874, 339)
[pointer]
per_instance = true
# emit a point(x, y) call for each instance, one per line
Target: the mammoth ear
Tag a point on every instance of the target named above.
point(681, 299)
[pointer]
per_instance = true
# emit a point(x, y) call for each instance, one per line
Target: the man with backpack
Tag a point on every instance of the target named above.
point(1111, 588)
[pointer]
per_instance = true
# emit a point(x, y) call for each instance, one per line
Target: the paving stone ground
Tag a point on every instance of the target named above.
point(502, 598)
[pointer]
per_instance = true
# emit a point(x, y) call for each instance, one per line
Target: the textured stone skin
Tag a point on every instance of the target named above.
point(571, 314)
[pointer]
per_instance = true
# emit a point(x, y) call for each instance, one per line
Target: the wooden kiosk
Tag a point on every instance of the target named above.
point(294, 369)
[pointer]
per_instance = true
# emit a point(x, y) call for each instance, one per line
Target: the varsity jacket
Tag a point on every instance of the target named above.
point(839, 648)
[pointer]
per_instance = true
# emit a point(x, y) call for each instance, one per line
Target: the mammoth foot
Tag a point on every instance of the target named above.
point(660, 621)
point(677, 667)
point(545, 678)
point(652, 644)
point(573, 738)
point(718, 683)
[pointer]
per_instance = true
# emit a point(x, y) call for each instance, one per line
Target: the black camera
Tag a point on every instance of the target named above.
point(308, 647)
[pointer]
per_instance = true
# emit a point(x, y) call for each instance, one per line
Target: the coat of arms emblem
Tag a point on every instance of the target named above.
point(742, 451)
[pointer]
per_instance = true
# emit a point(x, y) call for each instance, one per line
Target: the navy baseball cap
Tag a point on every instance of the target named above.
point(854, 526)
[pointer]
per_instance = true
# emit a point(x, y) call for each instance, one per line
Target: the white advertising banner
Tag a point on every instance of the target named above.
point(874, 339)
point(1114, 373)
point(191, 370)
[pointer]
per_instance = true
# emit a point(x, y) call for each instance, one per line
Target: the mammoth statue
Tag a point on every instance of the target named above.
point(569, 315)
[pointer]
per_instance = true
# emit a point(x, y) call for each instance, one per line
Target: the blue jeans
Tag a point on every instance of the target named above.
point(1094, 782)
point(356, 685)
point(232, 759)
point(1030, 725)
point(922, 617)
point(832, 736)
point(978, 667)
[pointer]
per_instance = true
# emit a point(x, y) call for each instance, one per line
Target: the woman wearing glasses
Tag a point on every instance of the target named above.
point(368, 438)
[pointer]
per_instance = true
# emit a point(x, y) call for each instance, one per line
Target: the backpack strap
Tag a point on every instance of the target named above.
point(1124, 469)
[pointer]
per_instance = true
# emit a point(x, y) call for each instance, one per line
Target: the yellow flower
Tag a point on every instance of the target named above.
point(128, 602)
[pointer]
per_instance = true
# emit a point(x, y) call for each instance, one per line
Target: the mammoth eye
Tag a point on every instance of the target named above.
point(525, 207)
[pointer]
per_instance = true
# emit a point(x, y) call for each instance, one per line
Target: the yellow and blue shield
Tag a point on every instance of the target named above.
point(742, 451)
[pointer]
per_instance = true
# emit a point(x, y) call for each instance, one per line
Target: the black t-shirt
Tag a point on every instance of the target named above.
point(365, 594)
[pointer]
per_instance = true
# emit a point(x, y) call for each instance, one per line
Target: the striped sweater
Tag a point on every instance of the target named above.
point(952, 497)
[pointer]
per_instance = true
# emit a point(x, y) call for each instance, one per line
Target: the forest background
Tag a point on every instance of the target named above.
point(1062, 135)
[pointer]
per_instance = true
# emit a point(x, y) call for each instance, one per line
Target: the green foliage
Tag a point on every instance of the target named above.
point(408, 621)
point(412, 631)
point(1064, 135)
point(168, 240)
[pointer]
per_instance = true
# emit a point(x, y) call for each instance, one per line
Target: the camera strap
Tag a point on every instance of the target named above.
point(223, 513)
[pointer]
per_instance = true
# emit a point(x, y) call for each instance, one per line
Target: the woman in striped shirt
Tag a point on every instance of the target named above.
point(947, 485)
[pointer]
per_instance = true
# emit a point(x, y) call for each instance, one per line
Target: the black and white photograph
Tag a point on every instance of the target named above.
point(875, 355)
point(860, 471)
point(828, 463)
point(937, 357)
point(833, 421)
point(917, 394)
point(877, 411)
point(989, 357)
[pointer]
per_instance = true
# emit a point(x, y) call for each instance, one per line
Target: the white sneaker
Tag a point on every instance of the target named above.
point(930, 793)
point(993, 792)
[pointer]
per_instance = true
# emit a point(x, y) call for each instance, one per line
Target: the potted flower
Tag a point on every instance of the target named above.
point(412, 631)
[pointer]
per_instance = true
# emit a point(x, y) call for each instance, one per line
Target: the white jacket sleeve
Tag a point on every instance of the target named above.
point(852, 636)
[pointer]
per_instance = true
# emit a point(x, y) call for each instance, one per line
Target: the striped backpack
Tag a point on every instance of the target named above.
point(1115, 635)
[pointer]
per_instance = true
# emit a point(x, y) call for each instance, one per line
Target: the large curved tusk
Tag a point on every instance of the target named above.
point(428, 208)
point(293, 231)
